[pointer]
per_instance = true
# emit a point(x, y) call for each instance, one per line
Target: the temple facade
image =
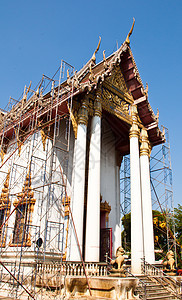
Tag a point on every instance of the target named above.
point(60, 166)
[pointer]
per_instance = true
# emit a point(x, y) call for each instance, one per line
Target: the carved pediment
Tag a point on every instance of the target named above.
point(116, 97)
point(116, 79)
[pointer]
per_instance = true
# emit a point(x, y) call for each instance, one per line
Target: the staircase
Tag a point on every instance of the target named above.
point(156, 289)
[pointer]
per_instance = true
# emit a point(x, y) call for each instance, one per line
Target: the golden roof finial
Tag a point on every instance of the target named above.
point(146, 89)
point(157, 115)
point(130, 32)
point(104, 59)
point(91, 76)
point(97, 49)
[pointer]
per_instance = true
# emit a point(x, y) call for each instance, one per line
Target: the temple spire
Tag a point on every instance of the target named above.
point(97, 49)
point(130, 32)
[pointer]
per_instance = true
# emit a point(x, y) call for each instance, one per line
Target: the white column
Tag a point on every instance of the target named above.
point(117, 229)
point(92, 245)
point(136, 209)
point(77, 201)
point(146, 199)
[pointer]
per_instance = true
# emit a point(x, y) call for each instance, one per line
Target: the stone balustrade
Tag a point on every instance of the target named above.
point(51, 274)
point(153, 270)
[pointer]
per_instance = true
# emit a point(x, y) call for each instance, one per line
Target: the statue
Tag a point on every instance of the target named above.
point(168, 264)
point(117, 264)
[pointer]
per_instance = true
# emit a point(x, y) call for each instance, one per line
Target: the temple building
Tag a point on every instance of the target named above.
point(61, 153)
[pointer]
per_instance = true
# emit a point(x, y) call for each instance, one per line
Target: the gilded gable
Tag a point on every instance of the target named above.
point(117, 80)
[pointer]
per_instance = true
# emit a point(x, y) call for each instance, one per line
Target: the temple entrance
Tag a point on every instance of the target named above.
point(105, 243)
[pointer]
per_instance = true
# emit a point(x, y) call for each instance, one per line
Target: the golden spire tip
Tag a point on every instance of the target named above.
point(130, 32)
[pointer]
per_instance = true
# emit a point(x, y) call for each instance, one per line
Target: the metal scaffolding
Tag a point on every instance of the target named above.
point(41, 173)
point(161, 189)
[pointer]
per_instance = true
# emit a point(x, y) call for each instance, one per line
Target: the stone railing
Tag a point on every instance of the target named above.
point(152, 270)
point(50, 274)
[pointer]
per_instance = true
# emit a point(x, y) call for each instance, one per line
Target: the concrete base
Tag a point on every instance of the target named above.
point(108, 287)
point(117, 273)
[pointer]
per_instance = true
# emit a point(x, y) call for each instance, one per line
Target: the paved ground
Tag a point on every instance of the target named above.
point(73, 298)
point(5, 298)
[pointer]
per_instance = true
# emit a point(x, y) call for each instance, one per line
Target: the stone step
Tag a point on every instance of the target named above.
point(151, 288)
point(161, 293)
point(168, 297)
point(154, 290)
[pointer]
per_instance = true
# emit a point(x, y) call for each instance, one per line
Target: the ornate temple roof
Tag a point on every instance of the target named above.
point(86, 81)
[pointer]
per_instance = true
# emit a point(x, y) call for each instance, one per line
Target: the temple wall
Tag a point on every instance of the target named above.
point(47, 206)
point(110, 189)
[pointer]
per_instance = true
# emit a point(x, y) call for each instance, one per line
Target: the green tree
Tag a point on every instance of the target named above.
point(160, 234)
point(126, 233)
point(178, 223)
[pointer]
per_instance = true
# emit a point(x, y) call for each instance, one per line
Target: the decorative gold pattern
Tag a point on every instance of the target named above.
point(44, 137)
point(116, 106)
point(97, 104)
point(144, 148)
point(24, 214)
point(117, 80)
point(4, 209)
point(83, 113)
point(104, 206)
point(66, 204)
point(106, 66)
point(74, 121)
point(2, 154)
point(91, 76)
point(134, 130)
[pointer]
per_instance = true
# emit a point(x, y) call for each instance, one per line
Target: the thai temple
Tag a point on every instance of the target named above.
point(60, 157)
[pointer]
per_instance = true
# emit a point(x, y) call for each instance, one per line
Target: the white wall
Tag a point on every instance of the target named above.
point(48, 205)
point(110, 189)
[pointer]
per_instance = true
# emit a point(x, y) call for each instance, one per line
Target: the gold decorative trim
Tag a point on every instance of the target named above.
point(83, 113)
point(116, 106)
point(4, 208)
point(106, 65)
point(116, 83)
point(97, 104)
point(29, 203)
point(2, 154)
point(134, 130)
point(113, 89)
point(74, 121)
point(91, 76)
point(44, 137)
point(104, 206)
point(144, 148)
point(66, 203)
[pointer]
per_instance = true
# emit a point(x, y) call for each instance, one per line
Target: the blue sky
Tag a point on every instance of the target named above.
point(36, 35)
